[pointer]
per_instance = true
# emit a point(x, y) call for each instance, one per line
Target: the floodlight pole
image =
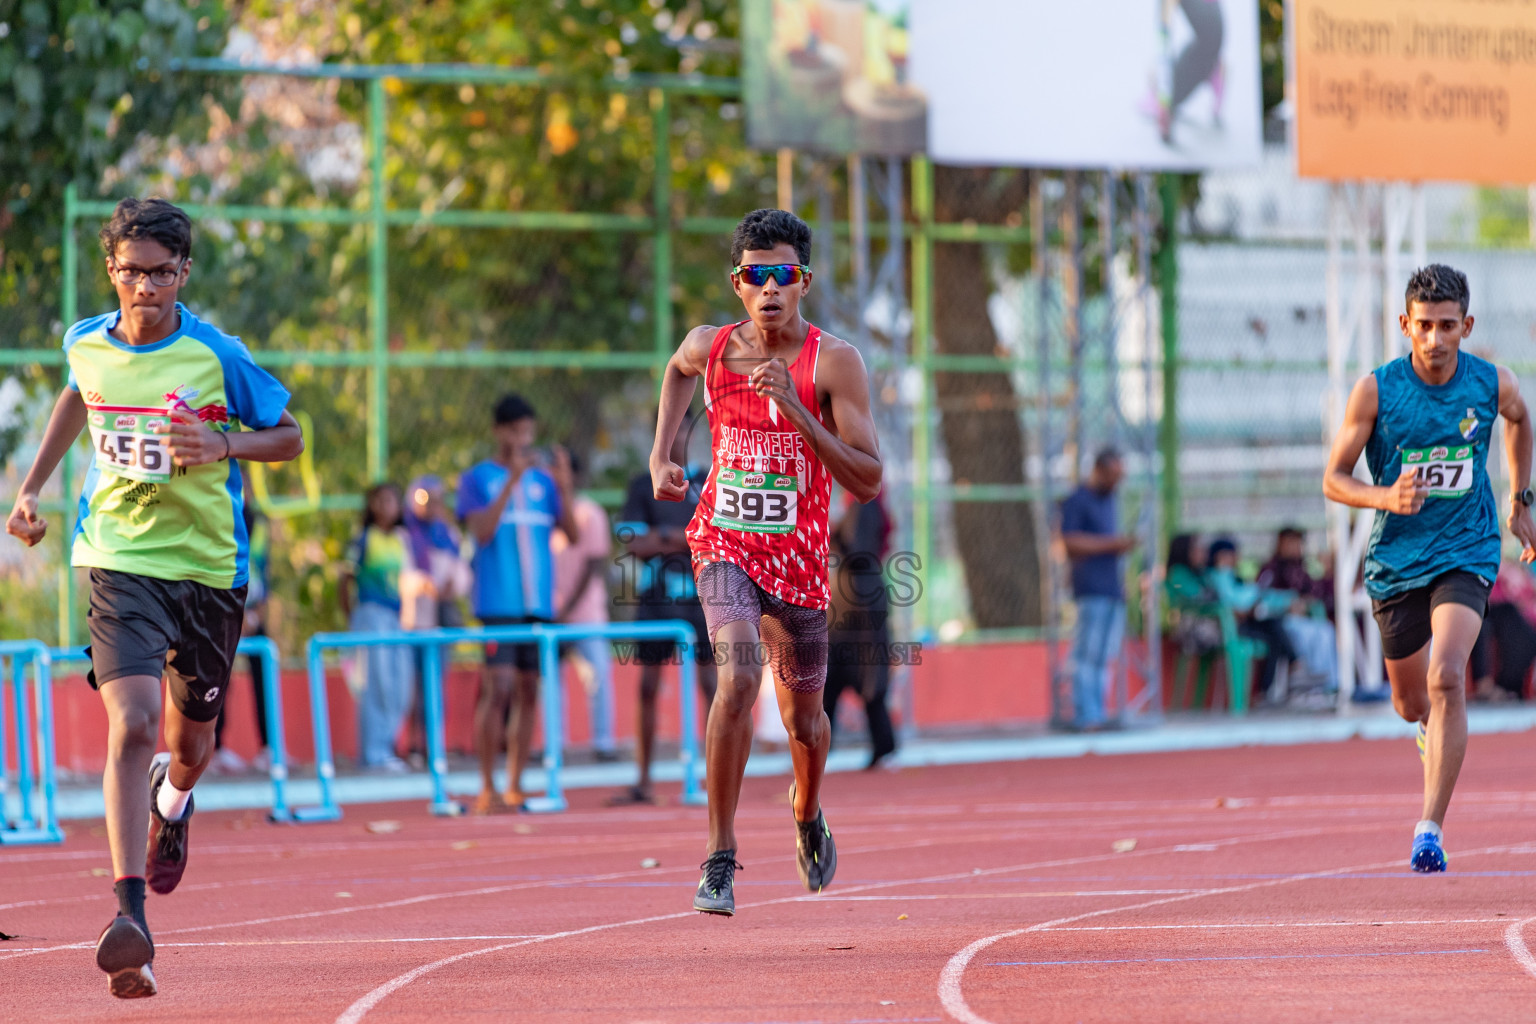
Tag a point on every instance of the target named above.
point(1353, 209)
point(378, 290)
point(1152, 682)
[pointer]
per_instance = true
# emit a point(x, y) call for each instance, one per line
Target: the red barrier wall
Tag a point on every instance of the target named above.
point(981, 686)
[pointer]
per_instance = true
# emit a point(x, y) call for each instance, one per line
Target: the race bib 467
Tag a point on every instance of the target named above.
point(1447, 471)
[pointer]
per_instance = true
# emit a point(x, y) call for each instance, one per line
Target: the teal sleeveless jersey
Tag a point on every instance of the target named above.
point(1442, 431)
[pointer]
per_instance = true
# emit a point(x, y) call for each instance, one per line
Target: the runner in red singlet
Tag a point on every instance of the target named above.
point(788, 413)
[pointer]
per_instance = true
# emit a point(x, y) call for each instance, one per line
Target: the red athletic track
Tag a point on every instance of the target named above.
point(1265, 884)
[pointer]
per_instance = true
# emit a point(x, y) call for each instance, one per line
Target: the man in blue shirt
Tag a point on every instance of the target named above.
point(1090, 529)
point(510, 504)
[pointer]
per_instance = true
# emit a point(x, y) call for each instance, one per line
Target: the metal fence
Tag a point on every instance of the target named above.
point(397, 313)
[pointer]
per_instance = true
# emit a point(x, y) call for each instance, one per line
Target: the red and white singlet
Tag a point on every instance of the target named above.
point(765, 504)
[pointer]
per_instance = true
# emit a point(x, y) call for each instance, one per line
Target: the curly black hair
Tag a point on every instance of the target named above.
point(764, 229)
point(154, 218)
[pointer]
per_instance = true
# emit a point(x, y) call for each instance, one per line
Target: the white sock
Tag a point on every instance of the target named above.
point(1428, 826)
point(172, 801)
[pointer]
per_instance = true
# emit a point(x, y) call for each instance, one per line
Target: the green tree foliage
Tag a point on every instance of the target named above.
point(79, 79)
point(586, 143)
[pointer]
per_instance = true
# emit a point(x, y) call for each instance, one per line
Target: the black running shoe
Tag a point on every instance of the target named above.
point(716, 893)
point(125, 952)
point(167, 853)
point(815, 852)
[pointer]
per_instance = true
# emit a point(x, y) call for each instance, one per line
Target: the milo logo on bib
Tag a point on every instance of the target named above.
point(755, 502)
point(1447, 471)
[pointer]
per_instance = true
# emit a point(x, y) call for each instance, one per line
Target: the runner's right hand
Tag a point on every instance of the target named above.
point(668, 481)
point(1406, 497)
point(25, 524)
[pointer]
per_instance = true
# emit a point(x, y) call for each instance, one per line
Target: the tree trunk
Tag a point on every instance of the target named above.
point(979, 412)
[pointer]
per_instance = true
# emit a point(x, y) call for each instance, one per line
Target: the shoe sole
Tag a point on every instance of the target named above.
point(125, 953)
point(1427, 866)
point(133, 983)
point(717, 911)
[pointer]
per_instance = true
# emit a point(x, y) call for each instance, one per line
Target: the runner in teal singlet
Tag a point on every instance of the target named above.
point(1424, 423)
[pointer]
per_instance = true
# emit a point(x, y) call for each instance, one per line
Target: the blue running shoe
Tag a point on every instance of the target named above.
point(1428, 856)
point(1422, 738)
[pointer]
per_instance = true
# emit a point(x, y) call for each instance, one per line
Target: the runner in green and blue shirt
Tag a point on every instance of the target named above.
point(172, 403)
point(1424, 423)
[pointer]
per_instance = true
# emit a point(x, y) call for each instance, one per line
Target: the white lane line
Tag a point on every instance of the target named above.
point(337, 942)
point(953, 999)
point(1517, 947)
point(545, 883)
point(355, 1013)
point(1002, 895)
point(1229, 925)
point(360, 1008)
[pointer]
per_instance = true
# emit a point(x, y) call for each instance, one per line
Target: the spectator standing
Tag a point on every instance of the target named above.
point(1090, 530)
point(433, 596)
point(661, 572)
point(376, 560)
point(581, 596)
point(859, 636)
point(511, 505)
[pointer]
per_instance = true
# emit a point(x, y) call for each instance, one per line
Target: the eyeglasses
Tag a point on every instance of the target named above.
point(783, 274)
point(159, 277)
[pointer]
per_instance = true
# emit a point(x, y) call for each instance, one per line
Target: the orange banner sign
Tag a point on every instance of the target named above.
point(1415, 90)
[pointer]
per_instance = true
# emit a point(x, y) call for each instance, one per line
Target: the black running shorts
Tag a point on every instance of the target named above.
point(142, 626)
point(523, 657)
point(1404, 618)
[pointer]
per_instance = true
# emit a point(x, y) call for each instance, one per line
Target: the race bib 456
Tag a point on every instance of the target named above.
point(132, 444)
point(1447, 471)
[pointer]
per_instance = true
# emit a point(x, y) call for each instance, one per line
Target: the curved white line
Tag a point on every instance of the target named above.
point(953, 998)
point(1517, 947)
point(355, 1013)
point(357, 1010)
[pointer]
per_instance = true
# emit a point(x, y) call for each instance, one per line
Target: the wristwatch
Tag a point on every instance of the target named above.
point(1526, 497)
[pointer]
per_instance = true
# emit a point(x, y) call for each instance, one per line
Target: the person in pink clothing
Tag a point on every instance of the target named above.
point(581, 596)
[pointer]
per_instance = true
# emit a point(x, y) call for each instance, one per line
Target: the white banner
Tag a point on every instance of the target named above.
point(1124, 84)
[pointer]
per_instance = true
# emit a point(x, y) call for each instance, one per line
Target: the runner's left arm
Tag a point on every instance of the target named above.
point(852, 454)
point(194, 443)
point(1518, 436)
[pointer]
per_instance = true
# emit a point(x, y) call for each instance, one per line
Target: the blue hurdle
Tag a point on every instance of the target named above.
point(271, 666)
point(549, 638)
point(36, 770)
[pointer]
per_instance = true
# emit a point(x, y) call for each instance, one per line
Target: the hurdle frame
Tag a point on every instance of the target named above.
point(548, 636)
point(36, 758)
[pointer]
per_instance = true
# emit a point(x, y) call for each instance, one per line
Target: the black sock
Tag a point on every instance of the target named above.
point(130, 899)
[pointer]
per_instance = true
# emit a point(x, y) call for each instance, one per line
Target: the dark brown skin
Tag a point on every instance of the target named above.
point(845, 442)
point(763, 349)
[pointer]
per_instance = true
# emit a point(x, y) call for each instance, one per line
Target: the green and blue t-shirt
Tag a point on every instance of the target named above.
point(376, 558)
point(139, 512)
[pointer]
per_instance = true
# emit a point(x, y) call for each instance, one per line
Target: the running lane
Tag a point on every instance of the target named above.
point(1250, 884)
